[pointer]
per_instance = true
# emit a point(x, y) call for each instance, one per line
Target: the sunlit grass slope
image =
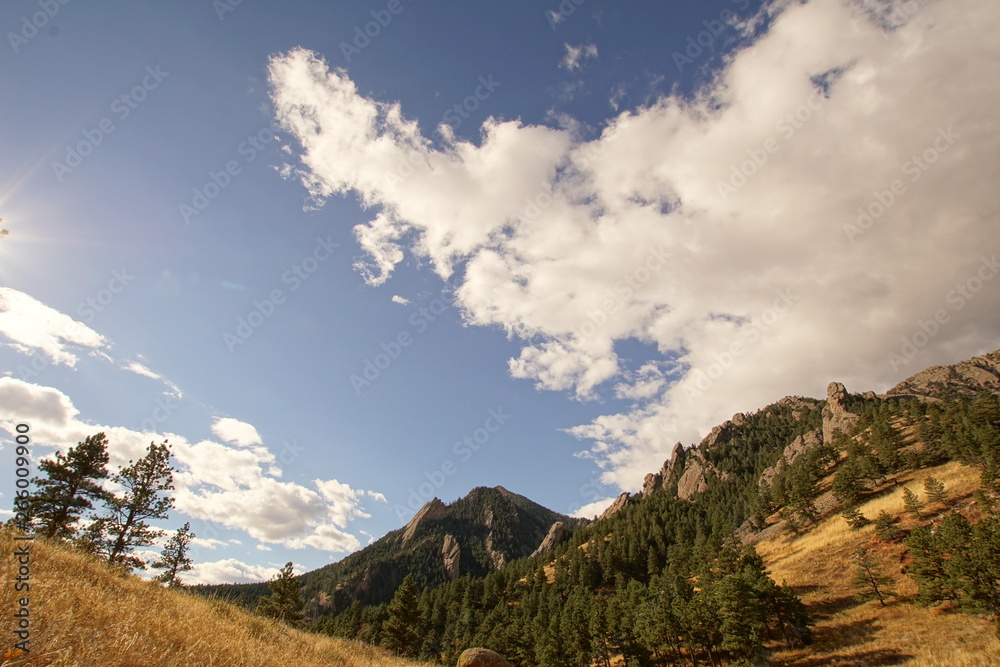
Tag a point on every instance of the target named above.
point(83, 615)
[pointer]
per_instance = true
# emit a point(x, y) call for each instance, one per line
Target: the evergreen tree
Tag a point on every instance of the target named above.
point(912, 503)
point(855, 519)
point(401, 630)
point(124, 525)
point(285, 601)
point(72, 483)
point(934, 490)
point(869, 581)
point(174, 558)
point(887, 527)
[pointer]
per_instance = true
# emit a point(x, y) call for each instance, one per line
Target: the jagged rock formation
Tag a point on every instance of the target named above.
point(964, 379)
point(481, 657)
point(799, 446)
point(557, 533)
point(836, 416)
point(687, 471)
point(615, 507)
point(451, 554)
point(435, 509)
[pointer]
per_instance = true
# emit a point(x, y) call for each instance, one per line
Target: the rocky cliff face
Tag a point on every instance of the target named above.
point(799, 446)
point(965, 379)
point(557, 533)
point(435, 509)
point(451, 554)
point(835, 414)
point(620, 503)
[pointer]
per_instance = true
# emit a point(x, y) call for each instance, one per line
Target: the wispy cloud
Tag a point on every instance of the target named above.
point(575, 55)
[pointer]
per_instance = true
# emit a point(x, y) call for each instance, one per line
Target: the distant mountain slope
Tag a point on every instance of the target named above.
point(961, 380)
point(474, 535)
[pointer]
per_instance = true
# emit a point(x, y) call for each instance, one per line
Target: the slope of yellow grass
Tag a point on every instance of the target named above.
point(818, 565)
point(83, 615)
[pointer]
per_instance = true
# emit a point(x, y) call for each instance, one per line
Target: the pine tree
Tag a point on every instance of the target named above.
point(401, 630)
point(285, 601)
point(174, 558)
point(124, 527)
point(72, 483)
point(912, 503)
point(869, 581)
point(887, 527)
point(934, 490)
point(855, 519)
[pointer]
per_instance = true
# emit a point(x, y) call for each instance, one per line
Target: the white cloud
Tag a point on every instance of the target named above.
point(400, 300)
point(34, 327)
point(228, 571)
point(594, 509)
point(232, 486)
point(575, 55)
point(236, 432)
point(716, 229)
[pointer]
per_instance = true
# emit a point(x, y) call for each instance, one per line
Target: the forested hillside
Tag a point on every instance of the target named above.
point(472, 536)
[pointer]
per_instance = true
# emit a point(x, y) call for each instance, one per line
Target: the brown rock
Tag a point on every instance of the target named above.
point(481, 657)
point(964, 379)
point(557, 533)
point(451, 554)
point(615, 507)
point(835, 414)
point(435, 509)
point(799, 446)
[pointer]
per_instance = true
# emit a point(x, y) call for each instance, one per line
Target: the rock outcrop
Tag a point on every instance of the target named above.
point(451, 555)
point(964, 379)
point(557, 533)
point(615, 507)
point(799, 446)
point(835, 414)
point(481, 657)
point(435, 509)
point(658, 481)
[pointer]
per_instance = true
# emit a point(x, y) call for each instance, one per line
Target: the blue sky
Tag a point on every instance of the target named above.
point(558, 241)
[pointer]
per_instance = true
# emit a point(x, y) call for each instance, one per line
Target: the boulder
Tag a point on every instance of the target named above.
point(799, 446)
point(481, 657)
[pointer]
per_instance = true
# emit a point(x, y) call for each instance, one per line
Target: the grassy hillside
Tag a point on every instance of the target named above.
point(818, 565)
point(83, 615)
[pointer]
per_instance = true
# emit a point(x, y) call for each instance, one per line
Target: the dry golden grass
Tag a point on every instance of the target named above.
point(83, 615)
point(818, 565)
